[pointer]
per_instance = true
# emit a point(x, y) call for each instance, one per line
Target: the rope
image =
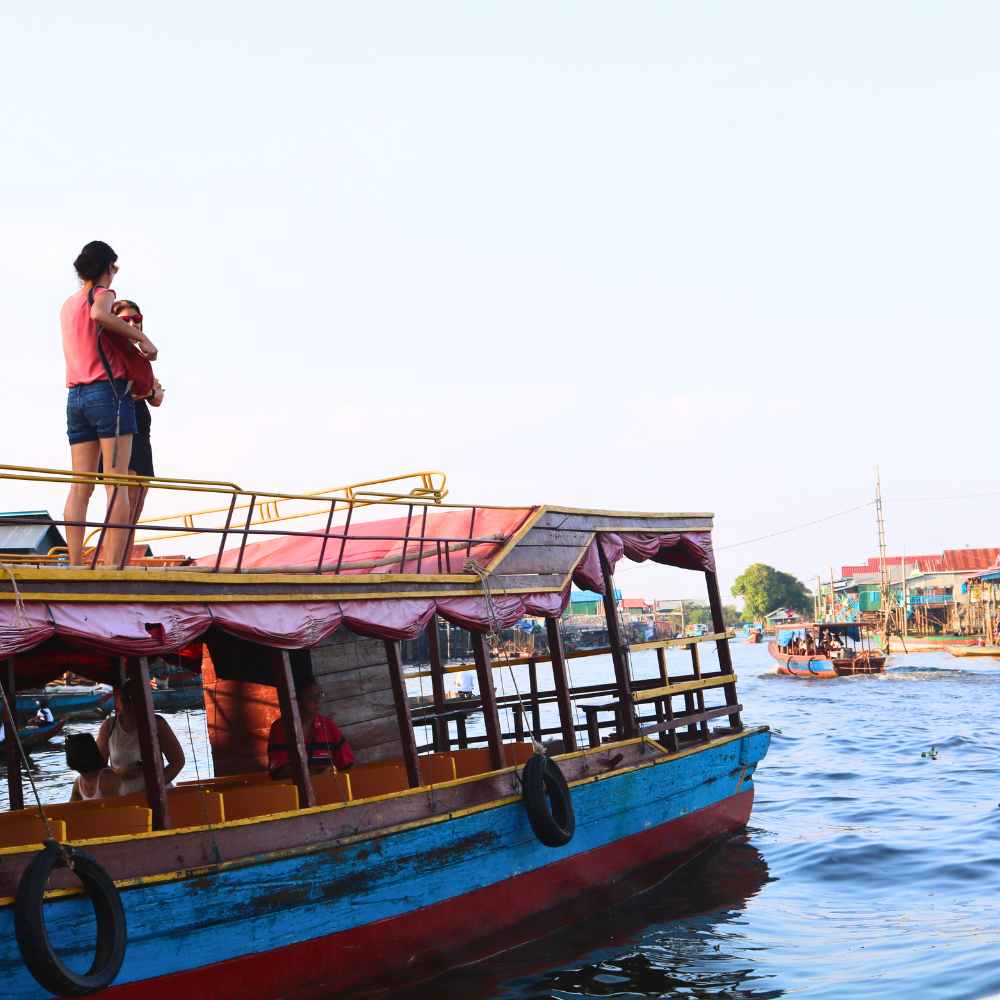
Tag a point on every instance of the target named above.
point(471, 566)
point(20, 615)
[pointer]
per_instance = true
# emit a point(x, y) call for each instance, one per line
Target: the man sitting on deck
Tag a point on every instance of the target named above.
point(326, 745)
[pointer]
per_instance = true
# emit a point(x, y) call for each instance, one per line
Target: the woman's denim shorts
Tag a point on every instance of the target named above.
point(92, 409)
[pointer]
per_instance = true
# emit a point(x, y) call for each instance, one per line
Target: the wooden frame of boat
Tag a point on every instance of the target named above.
point(674, 770)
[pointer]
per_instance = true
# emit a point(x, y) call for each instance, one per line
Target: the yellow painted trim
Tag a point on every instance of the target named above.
point(187, 575)
point(514, 539)
point(682, 686)
point(627, 513)
point(682, 642)
point(92, 598)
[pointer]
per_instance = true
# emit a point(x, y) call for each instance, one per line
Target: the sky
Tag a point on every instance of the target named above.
point(660, 256)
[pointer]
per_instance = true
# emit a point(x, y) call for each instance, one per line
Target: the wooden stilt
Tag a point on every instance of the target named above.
point(558, 655)
point(722, 645)
point(491, 716)
point(536, 710)
point(298, 759)
point(402, 701)
point(619, 648)
point(141, 696)
point(15, 787)
point(442, 742)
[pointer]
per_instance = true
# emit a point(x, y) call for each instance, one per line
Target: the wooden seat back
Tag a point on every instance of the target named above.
point(259, 800)
point(436, 767)
point(332, 788)
point(20, 828)
point(380, 778)
point(195, 807)
point(476, 760)
point(113, 821)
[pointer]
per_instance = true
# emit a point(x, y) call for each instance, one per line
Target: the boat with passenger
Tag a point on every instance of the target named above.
point(825, 650)
point(453, 835)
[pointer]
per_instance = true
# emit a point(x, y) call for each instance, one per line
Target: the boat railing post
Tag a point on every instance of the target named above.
point(141, 696)
point(487, 695)
point(619, 647)
point(442, 741)
point(722, 645)
point(536, 711)
point(297, 757)
point(559, 676)
point(403, 718)
point(15, 787)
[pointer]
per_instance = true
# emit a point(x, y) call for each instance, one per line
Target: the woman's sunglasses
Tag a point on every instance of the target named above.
point(135, 319)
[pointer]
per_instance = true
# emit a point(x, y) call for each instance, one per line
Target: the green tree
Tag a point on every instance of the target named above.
point(764, 588)
point(701, 614)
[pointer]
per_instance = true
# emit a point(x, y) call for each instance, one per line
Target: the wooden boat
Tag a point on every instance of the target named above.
point(929, 643)
point(851, 653)
point(36, 736)
point(975, 651)
point(417, 858)
point(66, 698)
point(753, 636)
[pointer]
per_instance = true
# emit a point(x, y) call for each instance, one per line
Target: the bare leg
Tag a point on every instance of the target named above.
point(136, 501)
point(116, 538)
point(84, 459)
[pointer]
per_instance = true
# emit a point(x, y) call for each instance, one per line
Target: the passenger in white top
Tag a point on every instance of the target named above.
point(96, 780)
point(118, 741)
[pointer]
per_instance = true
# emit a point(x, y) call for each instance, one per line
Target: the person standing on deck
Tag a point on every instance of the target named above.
point(100, 414)
point(326, 745)
point(118, 741)
point(141, 462)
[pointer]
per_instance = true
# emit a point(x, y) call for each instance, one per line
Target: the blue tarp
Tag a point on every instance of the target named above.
point(786, 635)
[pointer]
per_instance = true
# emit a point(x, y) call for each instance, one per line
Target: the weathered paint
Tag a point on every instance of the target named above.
point(395, 890)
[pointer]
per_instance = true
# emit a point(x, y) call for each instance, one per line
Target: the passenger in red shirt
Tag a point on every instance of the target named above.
point(326, 745)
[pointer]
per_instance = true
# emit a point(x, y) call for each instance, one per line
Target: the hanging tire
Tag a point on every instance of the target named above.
point(32, 936)
point(548, 801)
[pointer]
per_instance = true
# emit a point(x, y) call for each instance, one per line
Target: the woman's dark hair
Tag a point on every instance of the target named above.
point(121, 304)
point(83, 754)
point(94, 260)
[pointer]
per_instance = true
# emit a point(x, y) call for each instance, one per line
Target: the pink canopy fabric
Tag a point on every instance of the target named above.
point(686, 550)
point(382, 543)
point(48, 638)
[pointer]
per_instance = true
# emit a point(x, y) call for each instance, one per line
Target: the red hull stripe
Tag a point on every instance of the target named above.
point(459, 929)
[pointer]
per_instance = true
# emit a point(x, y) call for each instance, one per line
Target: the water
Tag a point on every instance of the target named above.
point(868, 870)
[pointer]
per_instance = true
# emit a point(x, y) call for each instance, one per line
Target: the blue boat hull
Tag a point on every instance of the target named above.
point(201, 929)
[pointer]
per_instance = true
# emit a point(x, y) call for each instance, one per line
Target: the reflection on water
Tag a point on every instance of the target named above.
point(869, 870)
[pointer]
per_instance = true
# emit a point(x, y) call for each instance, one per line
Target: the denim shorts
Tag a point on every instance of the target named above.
point(91, 411)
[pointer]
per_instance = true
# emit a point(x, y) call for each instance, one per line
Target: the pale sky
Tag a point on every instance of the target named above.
point(651, 256)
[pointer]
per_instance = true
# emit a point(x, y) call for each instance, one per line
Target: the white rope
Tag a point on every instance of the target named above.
point(20, 615)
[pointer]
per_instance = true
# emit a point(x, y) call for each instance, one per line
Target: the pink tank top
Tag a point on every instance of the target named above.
point(79, 339)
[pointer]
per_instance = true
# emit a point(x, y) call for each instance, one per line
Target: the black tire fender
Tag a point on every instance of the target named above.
point(548, 801)
point(32, 935)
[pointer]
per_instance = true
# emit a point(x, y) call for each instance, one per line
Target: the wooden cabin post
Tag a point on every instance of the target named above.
point(298, 759)
point(402, 701)
point(442, 742)
point(618, 647)
point(491, 717)
point(141, 696)
point(15, 787)
point(722, 645)
point(561, 680)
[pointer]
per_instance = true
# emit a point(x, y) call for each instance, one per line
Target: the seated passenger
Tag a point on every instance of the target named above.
point(43, 717)
point(96, 780)
point(326, 745)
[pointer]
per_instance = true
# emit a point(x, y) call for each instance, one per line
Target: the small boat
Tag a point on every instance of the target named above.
point(36, 736)
point(975, 651)
point(172, 699)
point(63, 698)
point(753, 636)
point(825, 650)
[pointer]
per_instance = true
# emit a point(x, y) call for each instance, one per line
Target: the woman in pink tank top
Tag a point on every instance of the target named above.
point(100, 414)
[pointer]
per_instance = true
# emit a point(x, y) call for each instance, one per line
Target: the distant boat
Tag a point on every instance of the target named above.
point(975, 651)
point(836, 651)
point(36, 736)
point(64, 698)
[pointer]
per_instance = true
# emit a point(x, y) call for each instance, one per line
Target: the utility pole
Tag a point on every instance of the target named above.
point(885, 590)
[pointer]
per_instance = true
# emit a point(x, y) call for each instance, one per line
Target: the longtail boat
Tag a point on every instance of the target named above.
point(975, 651)
point(444, 842)
point(825, 650)
point(66, 698)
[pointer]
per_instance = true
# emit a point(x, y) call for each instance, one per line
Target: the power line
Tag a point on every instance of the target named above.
point(796, 527)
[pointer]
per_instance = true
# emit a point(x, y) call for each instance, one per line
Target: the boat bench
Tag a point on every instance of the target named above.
point(694, 718)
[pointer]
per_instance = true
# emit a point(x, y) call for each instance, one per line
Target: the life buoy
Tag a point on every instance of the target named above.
point(32, 936)
point(548, 801)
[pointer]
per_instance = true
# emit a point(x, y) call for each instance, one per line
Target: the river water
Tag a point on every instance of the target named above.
point(868, 870)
